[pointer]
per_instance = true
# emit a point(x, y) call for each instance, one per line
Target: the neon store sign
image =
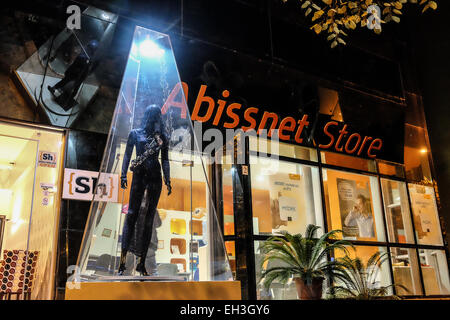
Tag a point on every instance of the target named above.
point(234, 115)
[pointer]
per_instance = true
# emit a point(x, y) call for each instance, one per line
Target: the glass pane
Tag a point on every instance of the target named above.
point(417, 165)
point(277, 291)
point(425, 215)
point(390, 169)
point(396, 207)
point(435, 272)
point(381, 274)
point(353, 205)
point(405, 268)
point(17, 180)
point(46, 210)
point(64, 75)
point(274, 147)
point(30, 164)
point(285, 196)
point(17, 168)
point(231, 251)
point(164, 217)
point(227, 198)
point(341, 160)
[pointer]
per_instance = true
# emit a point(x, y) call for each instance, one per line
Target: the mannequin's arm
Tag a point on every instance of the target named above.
point(166, 165)
point(127, 156)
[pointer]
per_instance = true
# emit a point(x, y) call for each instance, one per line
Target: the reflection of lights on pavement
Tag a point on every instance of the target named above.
point(150, 49)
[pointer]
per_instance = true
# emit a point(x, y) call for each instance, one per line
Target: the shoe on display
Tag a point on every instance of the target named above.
point(141, 269)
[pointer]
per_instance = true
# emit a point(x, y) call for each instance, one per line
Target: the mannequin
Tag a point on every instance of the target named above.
point(149, 140)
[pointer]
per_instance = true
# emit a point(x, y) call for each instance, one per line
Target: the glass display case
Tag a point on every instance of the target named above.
point(163, 224)
point(62, 78)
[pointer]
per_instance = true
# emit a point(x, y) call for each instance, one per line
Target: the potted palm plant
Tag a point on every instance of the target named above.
point(358, 280)
point(304, 259)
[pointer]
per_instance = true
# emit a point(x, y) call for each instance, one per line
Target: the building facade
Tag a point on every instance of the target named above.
point(351, 132)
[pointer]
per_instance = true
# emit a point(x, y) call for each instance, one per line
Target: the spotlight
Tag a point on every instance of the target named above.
point(423, 150)
point(150, 49)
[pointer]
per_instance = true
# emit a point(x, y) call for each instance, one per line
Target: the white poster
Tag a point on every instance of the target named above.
point(425, 214)
point(79, 185)
point(285, 191)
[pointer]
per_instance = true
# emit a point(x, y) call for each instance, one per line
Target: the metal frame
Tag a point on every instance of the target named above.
point(2, 230)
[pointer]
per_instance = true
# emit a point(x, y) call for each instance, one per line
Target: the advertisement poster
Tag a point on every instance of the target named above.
point(355, 204)
point(425, 214)
point(284, 198)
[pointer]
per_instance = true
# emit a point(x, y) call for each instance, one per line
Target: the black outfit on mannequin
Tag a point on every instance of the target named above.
point(146, 176)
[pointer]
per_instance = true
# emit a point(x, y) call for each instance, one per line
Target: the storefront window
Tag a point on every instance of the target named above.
point(405, 268)
point(380, 276)
point(435, 272)
point(277, 291)
point(227, 199)
point(231, 252)
point(390, 169)
point(285, 196)
point(31, 161)
point(340, 160)
point(353, 205)
point(396, 207)
point(425, 214)
point(417, 165)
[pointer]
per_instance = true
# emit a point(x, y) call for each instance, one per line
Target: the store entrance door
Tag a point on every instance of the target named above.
point(30, 171)
point(17, 177)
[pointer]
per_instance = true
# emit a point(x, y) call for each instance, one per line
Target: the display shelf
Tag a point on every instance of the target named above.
point(166, 255)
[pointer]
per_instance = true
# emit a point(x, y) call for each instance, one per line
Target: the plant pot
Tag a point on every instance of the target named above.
point(309, 292)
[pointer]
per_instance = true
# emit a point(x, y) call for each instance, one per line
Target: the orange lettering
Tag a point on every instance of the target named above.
point(232, 115)
point(301, 124)
point(284, 126)
point(366, 139)
point(342, 134)
point(348, 142)
point(200, 99)
point(325, 130)
point(372, 146)
point(248, 117)
point(170, 102)
point(221, 104)
point(263, 122)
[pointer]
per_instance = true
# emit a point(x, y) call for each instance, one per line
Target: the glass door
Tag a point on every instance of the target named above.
point(31, 160)
point(17, 176)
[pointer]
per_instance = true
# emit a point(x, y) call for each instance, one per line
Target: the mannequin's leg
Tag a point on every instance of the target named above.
point(123, 260)
point(154, 191)
point(136, 194)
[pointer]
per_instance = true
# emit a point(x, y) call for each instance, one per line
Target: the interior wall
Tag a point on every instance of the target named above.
point(21, 181)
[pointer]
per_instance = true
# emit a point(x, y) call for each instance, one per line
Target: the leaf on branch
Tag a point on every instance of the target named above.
point(317, 15)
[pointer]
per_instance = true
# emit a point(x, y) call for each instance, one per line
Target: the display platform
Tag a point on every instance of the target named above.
point(140, 278)
point(156, 290)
